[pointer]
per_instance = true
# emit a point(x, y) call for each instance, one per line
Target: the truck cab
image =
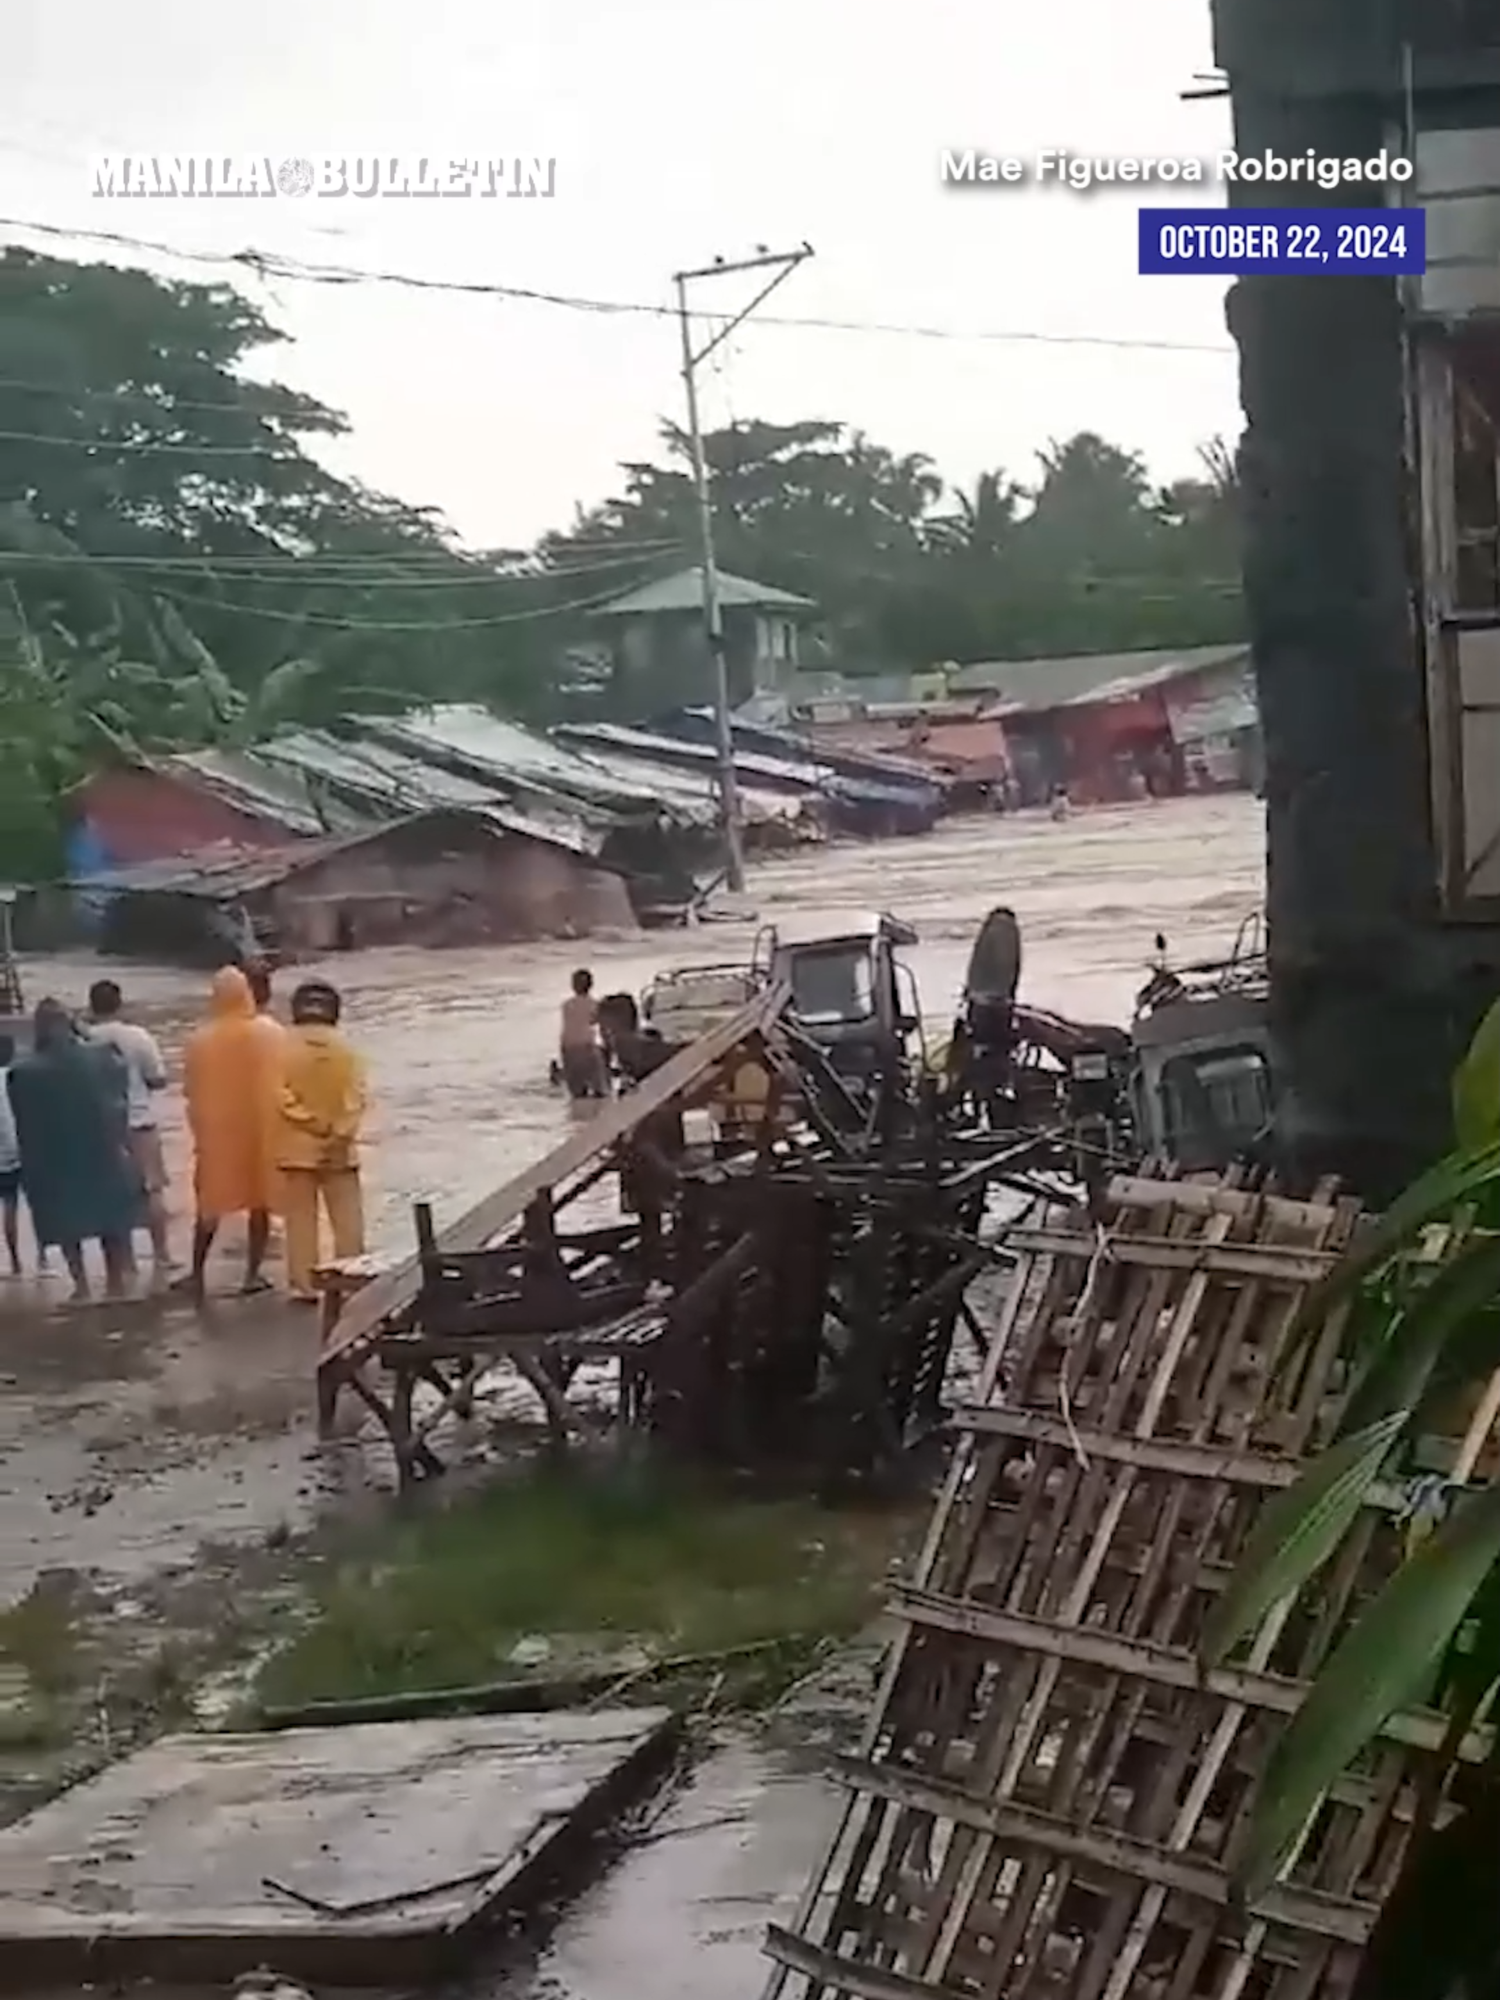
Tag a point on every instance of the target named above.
point(850, 992)
point(1204, 1085)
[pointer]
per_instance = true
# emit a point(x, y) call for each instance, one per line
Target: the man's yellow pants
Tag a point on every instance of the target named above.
point(307, 1192)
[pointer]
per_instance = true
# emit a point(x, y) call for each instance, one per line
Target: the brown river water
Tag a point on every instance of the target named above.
point(128, 1435)
point(137, 1442)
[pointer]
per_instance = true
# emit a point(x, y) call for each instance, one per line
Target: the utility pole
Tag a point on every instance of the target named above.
point(781, 265)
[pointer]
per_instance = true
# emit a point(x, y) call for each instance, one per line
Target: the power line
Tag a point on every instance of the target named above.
point(1219, 587)
point(394, 625)
point(376, 572)
point(167, 405)
point(355, 572)
point(110, 446)
point(265, 264)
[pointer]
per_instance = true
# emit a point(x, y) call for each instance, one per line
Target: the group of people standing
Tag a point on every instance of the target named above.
point(275, 1114)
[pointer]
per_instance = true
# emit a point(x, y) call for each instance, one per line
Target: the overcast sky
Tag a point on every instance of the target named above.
point(683, 129)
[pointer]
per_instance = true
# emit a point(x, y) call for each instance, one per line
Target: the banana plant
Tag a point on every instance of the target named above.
point(1425, 1314)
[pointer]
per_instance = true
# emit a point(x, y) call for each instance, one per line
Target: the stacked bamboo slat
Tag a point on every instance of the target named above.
point(1051, 1790)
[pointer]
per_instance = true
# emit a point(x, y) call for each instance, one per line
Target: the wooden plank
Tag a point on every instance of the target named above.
point(1154, 1455)
point(1276, 1263)
point(1205, 1198)
point(1053, 1792)
point(394, 1290)
point(363, 1855)
point(931, 1611)
point(827, 1973)
point(1349, 1921)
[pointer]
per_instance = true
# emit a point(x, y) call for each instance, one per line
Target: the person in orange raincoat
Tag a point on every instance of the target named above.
point(320, 1109)
point(229, 1085)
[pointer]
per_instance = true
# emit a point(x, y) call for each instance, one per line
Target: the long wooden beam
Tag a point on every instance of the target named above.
point(395, 1289)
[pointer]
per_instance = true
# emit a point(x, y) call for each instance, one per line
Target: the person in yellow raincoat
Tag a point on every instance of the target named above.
point(320, 1112)
point(229, 1083)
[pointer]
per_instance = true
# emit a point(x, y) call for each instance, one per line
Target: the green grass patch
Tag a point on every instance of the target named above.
point(562, 1570)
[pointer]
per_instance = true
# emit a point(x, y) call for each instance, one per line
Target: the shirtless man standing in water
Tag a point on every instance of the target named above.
point(580, 1054)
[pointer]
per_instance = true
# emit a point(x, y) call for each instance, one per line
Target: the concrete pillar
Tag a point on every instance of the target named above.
point(1372, 995)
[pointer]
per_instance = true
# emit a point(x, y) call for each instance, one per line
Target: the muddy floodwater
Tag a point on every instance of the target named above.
point(139, 1443)
point(131, 1435)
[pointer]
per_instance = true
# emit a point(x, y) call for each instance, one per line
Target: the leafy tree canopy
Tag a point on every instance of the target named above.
point(178, 567)
point(1089, 558)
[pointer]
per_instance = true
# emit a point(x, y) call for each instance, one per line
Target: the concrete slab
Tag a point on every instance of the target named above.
point(357, 1857)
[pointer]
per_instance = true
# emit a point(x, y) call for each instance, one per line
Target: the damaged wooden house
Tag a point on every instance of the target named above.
point(450, 827)
point(446, 877)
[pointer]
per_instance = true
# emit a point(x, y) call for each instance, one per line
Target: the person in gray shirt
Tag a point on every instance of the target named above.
point(147, 1074)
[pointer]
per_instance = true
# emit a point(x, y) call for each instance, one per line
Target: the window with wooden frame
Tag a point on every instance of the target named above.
point(1455, 348)
point(1458, 421)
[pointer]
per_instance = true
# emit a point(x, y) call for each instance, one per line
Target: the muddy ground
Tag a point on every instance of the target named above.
point(130, 1436)
point(158, 1464)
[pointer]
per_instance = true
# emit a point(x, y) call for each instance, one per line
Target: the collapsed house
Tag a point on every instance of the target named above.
point(628, 822)
point(447, 877)
point(176, 829)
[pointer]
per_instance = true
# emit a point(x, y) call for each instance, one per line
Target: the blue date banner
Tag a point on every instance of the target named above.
point(1243, 242)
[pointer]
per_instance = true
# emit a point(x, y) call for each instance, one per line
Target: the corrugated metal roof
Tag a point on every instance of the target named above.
point(509, 755)
point(782, 751)
point(396, 785)
point(694, 791)
point(215, 874)
point(222, 874)
point(1072, 678)
point(242, 778)
point(384, 778)
point(796, 771)
point(683, 591)
point(1127, 685)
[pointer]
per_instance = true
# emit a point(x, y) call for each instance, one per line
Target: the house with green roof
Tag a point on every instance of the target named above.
point(659, 646)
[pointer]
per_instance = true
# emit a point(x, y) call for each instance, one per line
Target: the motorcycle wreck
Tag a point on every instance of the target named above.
point(1190, 1081)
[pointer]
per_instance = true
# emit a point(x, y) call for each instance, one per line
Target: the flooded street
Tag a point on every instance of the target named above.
point(129, 1436)
point(165, 1456)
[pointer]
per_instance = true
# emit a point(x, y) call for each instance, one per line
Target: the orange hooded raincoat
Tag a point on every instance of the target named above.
point(230, 1083)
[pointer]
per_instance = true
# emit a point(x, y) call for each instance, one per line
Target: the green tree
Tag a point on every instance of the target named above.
point(1090, 558)
point(144, 469)
point(812, 507)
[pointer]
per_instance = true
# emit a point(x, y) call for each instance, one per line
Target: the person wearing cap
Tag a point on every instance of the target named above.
point(320, 1113)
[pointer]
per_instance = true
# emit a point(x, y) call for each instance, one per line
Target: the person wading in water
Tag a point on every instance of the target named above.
point(580, 1056)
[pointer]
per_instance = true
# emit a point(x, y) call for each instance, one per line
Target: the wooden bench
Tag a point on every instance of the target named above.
point(336, 1283)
